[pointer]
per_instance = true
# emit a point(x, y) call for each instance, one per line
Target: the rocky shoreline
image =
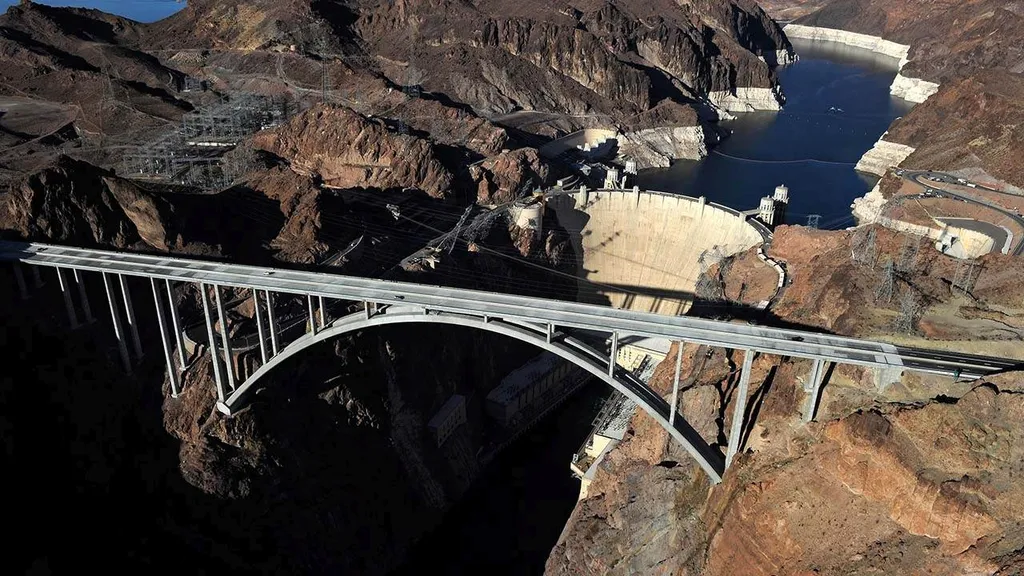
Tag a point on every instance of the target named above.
point(911, 89)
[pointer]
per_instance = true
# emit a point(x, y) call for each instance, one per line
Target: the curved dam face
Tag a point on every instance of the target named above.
point(641, 250)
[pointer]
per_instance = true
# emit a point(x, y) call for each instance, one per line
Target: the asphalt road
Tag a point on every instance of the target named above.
point(919, 177)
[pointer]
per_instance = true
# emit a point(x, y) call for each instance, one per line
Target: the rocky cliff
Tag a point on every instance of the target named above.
point(906, 477)
point(344, 150)
point(501, 60)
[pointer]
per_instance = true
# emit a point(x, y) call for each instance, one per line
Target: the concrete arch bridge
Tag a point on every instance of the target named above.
point(551, 325)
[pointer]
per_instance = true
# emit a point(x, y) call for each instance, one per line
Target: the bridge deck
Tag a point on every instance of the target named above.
point(778, 341)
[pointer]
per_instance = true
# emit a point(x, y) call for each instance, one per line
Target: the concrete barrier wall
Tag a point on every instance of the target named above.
point(641, 249)
point(915, 229)
point(591, 136)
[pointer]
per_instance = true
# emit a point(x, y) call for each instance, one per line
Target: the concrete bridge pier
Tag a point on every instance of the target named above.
point(133, 323)
point(217, 378)
point(615, 352)
point(225, 338)
point(675, 384)
point(176, 323)
point(86, 309)
point(69, 305)
point(270, 322)
point(19, 276)
point(312, 315)
point(885, 377)
point(172, 373)
point(813, 388)
point(37, 277)
point(736, 432)
point(118, 329)
point(323, 312)
point(259, 325)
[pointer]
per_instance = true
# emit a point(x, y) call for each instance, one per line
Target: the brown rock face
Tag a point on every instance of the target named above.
point(500, 59)
point(949, 39)
point(503, 177)
point(347, 150)
point(900, 489)
point(982, 121)
point(83, 59)
point(79, 204)
point(827, 289)
point(299, 239)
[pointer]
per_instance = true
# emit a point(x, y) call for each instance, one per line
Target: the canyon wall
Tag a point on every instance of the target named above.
point(882, 156)
point(658, 147)
point(912, 476)
point(910, 89)
point(746, 99)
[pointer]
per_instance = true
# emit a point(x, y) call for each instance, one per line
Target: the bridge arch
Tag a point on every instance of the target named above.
point(566, 347)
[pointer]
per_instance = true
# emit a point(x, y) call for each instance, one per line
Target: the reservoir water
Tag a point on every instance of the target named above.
point(837, 106)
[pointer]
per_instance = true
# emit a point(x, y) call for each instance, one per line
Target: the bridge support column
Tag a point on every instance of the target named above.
point(225, 339)
point(312, 315)
point(172, 373)
point(813, 389)
point(20, 277)
point(68, 303)
point(735, 434)
point(323, 312)
point(270, 323)
point(118, 330)
point(83, 297)
point(221, 392)
point(176, 323)
point(675, 384)
point(133, 323)
point(550, 332)
point(37, 277)
point(259, 326)
point(885, 377)
point(612, 361)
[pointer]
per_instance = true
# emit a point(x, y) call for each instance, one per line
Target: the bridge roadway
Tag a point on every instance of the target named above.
point(543, 322)
point(778, 341)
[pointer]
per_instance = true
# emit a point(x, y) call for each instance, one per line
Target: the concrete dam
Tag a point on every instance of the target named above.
point(642, 250)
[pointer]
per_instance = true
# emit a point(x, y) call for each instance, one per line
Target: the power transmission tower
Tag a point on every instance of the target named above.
point(325, 75)
point(886, 288)
point(965, 276)
point(448, 242)
point(863, 249)
point(908, 254)
point(411, 83)
point(813, 220)
point(910, 309)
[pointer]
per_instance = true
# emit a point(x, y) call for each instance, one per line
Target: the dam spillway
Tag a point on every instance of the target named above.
point(641, 250)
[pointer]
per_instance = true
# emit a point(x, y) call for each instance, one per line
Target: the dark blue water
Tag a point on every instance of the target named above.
point(140, 10)
point(838, 105)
